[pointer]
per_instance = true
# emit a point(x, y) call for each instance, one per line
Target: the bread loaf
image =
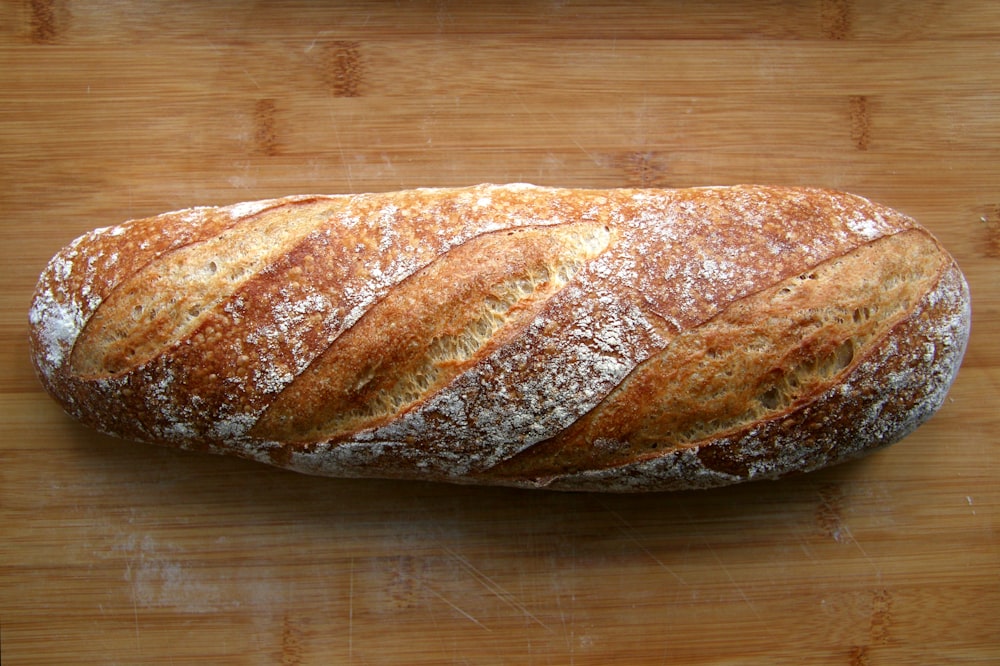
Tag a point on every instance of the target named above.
point(606, 340)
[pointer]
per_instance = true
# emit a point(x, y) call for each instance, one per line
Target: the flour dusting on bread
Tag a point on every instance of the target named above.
point(591, 339)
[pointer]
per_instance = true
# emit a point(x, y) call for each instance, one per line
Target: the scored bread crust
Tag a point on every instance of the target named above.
point(617, 340)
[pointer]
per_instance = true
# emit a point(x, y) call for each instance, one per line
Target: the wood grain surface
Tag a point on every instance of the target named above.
point(120, 553)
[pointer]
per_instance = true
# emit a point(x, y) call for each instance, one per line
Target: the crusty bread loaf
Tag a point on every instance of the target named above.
point(610, 340)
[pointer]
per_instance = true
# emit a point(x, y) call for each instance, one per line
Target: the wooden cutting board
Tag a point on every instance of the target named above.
point(113, 552)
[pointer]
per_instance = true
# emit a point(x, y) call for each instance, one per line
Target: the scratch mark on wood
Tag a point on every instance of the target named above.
point(829, 518)
point(729, 575)
point(343, 155)
point(592, 156)
point(453, 605)
point(630, 533)
point(496, 589)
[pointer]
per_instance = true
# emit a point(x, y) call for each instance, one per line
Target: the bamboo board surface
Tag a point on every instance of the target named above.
point(120, 553)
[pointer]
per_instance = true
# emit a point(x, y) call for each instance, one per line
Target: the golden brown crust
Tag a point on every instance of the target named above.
point(759, 359)
point(508, 334)
point(898, 385)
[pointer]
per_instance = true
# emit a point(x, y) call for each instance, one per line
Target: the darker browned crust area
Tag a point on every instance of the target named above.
point(757, 360)
point(895, 388)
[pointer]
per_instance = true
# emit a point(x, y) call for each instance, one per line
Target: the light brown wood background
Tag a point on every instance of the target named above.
point(119, 553)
